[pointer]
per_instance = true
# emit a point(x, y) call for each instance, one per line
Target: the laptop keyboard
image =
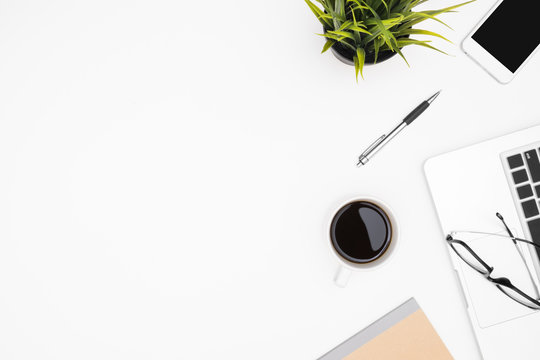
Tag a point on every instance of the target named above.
point(525, 170)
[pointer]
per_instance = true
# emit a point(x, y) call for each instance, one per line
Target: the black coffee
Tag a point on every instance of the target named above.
point(361, 232)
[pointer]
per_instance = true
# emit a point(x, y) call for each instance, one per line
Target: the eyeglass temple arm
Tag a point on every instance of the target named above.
point(514, 239)
point(506, 226)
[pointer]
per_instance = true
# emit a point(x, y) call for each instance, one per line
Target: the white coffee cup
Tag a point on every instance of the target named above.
point(346, 266)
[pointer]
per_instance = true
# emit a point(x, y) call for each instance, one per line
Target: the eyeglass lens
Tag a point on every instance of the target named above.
point(512, 293)
point(469, 258)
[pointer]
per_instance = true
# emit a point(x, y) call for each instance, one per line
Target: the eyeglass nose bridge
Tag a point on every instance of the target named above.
point(501, 281)
point(488, 274)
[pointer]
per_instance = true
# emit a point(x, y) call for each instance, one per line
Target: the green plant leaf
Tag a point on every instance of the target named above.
point(447, 9)
point(321, 16)
point(407, 42)
point(386, 6)
point(327, 45)
point(376, 46)
point(344, 34)
point(417, 17)
point(420, 32)
point(345, 25)
point(359, 61)
point(398, 50)
point(388, 37)
point(358, 29)
point(341, 40)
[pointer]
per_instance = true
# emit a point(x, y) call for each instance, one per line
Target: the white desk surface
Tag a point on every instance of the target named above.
point(168, 169)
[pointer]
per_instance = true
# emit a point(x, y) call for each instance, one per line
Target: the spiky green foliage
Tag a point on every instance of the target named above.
point(375, 26)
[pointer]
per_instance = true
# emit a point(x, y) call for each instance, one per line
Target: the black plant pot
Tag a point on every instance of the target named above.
point(346, 55)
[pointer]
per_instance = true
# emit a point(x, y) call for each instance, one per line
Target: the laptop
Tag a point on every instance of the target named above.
point(469, 186)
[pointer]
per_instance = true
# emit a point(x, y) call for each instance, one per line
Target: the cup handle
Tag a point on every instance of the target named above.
point(342, 276)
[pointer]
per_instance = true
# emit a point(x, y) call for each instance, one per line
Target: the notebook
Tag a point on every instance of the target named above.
point(405, 333)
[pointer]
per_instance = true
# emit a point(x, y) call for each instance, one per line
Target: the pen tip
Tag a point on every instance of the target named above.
point(432, 98)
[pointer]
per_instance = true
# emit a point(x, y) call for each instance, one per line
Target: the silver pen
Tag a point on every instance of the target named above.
point(385, 138)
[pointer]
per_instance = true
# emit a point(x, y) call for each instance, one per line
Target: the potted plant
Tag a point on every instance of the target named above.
point(369, 31)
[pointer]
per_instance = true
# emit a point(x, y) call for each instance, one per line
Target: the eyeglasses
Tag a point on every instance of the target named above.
point(472, 259)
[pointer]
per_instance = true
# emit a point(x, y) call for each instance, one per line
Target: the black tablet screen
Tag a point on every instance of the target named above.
point(511, 33)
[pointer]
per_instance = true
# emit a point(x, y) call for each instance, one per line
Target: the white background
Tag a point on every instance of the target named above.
point(168, 170)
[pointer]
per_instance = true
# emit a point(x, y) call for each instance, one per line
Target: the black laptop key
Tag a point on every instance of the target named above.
point(534, 228)
point(515, 161)
point(533, 164)
point(520, 176)
point(537, 191)
point(529, 208)
point(525, 191)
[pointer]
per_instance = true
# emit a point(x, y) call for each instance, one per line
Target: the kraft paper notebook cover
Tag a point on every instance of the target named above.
point(405, 333)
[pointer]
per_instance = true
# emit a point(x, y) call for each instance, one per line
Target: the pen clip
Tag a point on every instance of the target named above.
point(374, 145)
